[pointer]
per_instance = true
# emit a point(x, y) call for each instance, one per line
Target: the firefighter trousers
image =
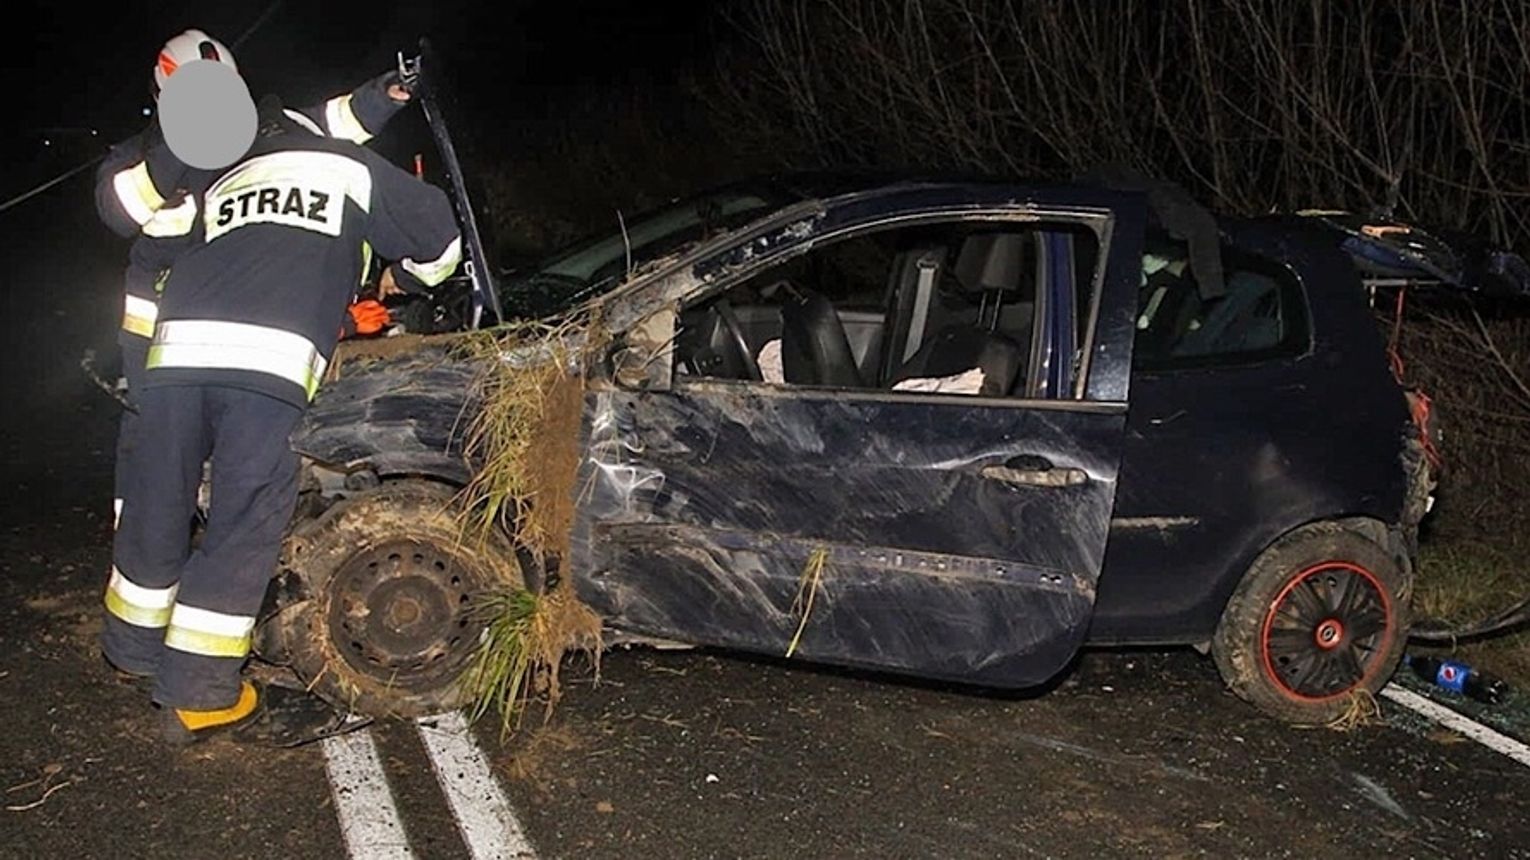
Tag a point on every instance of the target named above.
point(186, 615)
point(135, 353)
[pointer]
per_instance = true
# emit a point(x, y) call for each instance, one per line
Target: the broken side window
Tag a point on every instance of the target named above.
point(1262, 317)
point(935, 308)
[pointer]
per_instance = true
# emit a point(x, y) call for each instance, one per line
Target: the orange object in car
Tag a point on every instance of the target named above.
point(370, 316)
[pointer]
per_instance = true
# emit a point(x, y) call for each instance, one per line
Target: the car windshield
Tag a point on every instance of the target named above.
point(664, 228)
point(584, 269)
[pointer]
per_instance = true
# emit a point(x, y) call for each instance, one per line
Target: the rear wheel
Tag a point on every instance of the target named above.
point(1318, 617)
point(380, 587)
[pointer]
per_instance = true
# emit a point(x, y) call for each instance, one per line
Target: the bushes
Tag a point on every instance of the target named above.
point(1473, 366)
point(1252, 105)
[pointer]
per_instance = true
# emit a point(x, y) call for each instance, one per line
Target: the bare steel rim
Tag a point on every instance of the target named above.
point(399, 613)
point(1326, 631)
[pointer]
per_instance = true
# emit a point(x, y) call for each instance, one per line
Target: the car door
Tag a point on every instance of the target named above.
point(941, 535)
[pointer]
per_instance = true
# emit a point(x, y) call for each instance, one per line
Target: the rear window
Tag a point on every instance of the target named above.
point(1261, 318)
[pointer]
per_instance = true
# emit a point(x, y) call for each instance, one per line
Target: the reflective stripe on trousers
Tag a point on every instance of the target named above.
point(208, 633)
point(137, 605)
point(217, 344)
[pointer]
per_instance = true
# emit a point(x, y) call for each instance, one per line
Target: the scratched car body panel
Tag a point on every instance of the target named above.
point(705, 509)
point(1146, 425)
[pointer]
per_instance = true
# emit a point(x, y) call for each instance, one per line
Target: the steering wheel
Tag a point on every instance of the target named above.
point(740, 345)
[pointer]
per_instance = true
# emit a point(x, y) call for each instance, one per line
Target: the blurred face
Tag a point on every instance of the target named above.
point(207, 115)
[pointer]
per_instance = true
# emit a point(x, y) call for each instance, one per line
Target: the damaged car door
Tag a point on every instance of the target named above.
point(886, 434)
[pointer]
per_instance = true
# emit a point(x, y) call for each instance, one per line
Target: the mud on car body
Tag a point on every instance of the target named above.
point(1009, 419)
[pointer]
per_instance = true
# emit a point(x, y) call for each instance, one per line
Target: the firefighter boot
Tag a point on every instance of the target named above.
point(264, 714)
point(180, 727)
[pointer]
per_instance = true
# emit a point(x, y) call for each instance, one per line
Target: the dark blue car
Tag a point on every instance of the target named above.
point(996, 421)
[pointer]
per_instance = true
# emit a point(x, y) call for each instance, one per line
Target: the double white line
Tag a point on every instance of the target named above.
point(369, 817)
point(1457, 721)
point(373, 829)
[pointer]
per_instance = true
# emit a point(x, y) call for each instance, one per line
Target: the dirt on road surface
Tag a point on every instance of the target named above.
point(673, 754)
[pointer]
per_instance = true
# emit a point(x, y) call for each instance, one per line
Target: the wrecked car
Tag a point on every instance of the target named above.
point(1008, 420)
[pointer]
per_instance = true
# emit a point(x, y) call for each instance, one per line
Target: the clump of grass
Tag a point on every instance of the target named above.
point(523, 444)
point(528, 398)
point(1461, 581)
point(503, 663)
point(526, 637)
point(1464, 580)
point(1361, 710)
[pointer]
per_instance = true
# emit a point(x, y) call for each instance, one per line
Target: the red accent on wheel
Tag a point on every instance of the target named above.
point(1329, 634)
point(1332, 623)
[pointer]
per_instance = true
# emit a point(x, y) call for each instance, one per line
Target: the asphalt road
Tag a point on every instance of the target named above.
point(672, 754)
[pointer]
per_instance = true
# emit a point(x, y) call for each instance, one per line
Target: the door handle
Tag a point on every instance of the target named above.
point(1030, 470)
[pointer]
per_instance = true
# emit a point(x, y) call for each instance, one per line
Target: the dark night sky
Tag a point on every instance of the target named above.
point(517, 57)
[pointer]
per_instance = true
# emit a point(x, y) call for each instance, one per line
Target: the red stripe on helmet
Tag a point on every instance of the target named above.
point(167, 64)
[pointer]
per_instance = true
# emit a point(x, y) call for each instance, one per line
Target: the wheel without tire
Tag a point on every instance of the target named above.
point(380, 617)
point(1319, 615)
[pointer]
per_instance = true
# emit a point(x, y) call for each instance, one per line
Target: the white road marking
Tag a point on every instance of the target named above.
point(1467, 726)
point(484, 817)
point(369, 820)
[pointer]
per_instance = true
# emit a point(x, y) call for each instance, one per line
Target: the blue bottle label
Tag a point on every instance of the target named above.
point(1452, 676)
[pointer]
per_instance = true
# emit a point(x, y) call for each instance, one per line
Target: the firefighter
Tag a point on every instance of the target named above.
point(138, 199)
point(248, 320)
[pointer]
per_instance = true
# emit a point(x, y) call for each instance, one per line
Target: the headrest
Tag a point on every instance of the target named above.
point(991, 261)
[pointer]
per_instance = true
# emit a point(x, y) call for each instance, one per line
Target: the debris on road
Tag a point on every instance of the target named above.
point(1459, 678)
point(49, 771)
point(1376, 794)
point(1362, 710)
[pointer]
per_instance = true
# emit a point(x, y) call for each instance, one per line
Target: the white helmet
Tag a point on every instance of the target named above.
point(188, 47)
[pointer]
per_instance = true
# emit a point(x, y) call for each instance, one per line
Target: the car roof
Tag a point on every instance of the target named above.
point(828, 184)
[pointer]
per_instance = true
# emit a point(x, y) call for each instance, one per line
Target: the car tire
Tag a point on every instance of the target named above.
point(1320, 615)
point(380, 589)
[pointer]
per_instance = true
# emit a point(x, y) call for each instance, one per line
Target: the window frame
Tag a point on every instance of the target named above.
point(1100, 222)
point(1292, 290)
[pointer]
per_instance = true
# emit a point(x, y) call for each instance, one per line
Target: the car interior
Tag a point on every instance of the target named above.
point(946, 308)
point(1260, 315)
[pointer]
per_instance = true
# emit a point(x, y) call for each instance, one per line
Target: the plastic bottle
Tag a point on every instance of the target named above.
point(1459, 678)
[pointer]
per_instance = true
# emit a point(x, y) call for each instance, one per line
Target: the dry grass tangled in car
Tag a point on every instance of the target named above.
point(524, 442)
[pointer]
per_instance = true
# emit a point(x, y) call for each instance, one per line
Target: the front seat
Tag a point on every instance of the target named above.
point(989, 264)
point(814, 347)
point(958, 349)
